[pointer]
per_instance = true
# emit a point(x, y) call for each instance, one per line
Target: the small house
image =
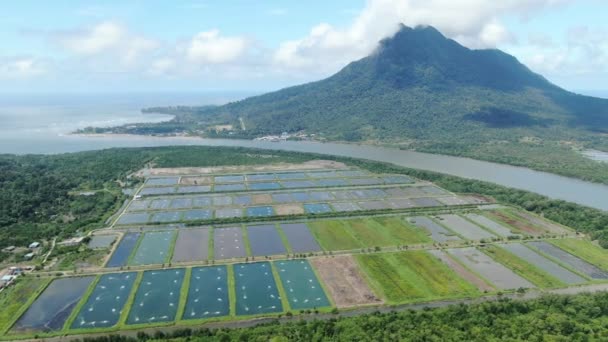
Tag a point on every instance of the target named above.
point(34, 245)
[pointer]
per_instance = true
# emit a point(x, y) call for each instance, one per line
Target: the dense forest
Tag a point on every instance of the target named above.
point(550, 318)
point(40, 193)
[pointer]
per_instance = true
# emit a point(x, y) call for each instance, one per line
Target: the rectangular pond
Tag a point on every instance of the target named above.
point(157, 191)
point(570, 260)
point(317, 208)
point(229, 187)
point(181, 203)
point(157, 297)
point(138, 205)
point(499, 275)
point(261, 211)
point(301, 285)
point(123, 250)
point(256, 289)
point(166, 216)
point(265, 240)
point(345, 206)
point(197, 214)
point(153, 248)
point(162, 181)
point(191, 245)
point(299, 237)
point(201, 201)
point(426, 202)
point(494, 226)
point(193, 189)
point(53, 307)
point(543, 263)
point(228, 243)
point(221, 200)
point(465, 228)
point(101, 241)
point(160, 204)
point(261, 177)
point(438, 232)
point(105, 304)
point(264, 186)
point(133, 218)
point(228, 213)
point(229, 179)
point(208, 293)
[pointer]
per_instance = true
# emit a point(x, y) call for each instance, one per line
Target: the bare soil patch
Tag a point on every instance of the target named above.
point(289, 209)
point(522, 226)
point(309, 165)
point(261, 199)
point(194, 180)
point(344, 281)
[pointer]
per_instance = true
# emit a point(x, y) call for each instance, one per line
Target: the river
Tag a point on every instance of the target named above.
point(23, 132)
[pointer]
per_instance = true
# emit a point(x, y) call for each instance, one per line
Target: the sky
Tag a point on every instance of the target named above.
point(245, 45)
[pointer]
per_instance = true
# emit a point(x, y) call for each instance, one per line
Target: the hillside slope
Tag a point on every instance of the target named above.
point(420, 85)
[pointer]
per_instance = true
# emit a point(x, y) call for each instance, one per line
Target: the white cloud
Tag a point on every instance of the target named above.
point(20, 68)
point(210, 47)
point(475, 23)
point(107, 39)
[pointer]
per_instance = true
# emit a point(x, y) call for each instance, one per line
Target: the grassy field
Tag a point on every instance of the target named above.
point(15, 297)
point(523, 268)
point(368, 232)
point(334, 235)
point(584, 249)
point(412, 276)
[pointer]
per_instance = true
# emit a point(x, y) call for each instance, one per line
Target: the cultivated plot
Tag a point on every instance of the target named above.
point(133, 218)
point(500, 276)
point(543, 263)
point(509, 220)
point(585, 250)
point(397, 179)
point(208, 293)
point(191, 245)
point(101, 241)
point(228, 243)
point(344, 281)
point(121, 254)
point(53, 307)
point(462, 271)
point(265, 240)
point(299, 237)
point(105, 304)
point(157, 297)
point(333, 235)
point(438, 232)
point(465, 228)
point(153, 248)
point(301, 285)
point(195, 180)
point(494, 226)
point(413, 276)
point(256, 290)
point(569, 260)
point(544, 224)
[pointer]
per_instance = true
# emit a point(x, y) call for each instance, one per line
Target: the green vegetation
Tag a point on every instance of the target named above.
point(333, 235)
point(38, 200)
point(550, 318)
point(366, 232)
point(585, 250)
point(522, 267)
point(70, 258)
point(412, 276)
point(15, 299)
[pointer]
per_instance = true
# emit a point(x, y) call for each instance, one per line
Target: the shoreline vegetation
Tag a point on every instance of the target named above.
point(553, 157)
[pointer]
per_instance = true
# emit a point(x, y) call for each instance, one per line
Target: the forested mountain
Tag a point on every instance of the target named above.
point(419, 85)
